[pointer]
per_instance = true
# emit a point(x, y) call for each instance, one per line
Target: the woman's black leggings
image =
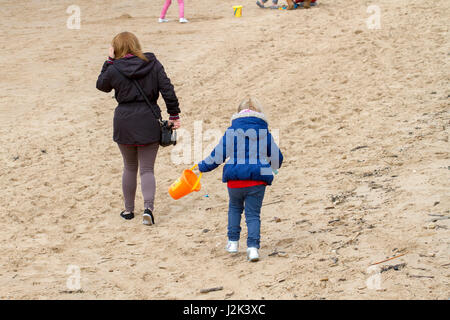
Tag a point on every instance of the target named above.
point(143, 157)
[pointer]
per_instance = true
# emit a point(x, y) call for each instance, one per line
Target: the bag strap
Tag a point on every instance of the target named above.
point(141, 91)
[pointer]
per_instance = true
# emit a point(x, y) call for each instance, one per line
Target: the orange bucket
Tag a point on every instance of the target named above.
point(185, 184)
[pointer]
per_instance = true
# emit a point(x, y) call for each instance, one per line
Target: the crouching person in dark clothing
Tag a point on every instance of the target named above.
point(136, 129)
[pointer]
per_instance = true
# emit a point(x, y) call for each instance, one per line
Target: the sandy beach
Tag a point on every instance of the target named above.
point(363, 117)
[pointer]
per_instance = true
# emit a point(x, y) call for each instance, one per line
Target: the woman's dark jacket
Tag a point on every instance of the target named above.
point(134, 122)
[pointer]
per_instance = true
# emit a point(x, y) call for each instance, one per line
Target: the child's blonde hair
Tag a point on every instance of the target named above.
point(251, 103)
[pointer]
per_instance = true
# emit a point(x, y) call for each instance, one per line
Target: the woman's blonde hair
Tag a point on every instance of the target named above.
point(251, 103)
point(127, 43)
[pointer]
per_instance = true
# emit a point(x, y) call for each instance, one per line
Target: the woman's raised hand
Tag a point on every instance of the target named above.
point(111, 53)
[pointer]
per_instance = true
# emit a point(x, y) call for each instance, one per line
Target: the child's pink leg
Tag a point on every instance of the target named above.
point(165, 8)
point(181, 8)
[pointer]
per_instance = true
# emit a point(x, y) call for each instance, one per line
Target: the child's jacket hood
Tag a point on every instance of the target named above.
point(250, 114)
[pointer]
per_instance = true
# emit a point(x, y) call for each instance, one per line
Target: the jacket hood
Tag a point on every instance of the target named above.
point(134, 67)
point(249, 114)
point(252, 124)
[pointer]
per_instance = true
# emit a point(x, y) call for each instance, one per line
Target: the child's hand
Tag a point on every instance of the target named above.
point(111, 53)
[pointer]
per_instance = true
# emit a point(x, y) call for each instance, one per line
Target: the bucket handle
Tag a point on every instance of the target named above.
point(199, 177)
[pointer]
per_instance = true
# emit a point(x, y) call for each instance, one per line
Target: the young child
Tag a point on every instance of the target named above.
point(253, 157)
point(162, 17)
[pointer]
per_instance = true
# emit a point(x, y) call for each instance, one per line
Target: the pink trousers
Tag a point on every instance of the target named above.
point(167, 5)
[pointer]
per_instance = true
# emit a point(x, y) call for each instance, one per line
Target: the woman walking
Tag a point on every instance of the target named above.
point(136, 130)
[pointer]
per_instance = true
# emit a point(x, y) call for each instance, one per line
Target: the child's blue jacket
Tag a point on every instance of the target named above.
point(251, 150)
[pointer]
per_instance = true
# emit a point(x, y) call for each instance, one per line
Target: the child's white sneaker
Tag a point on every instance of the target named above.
point(232, 246)
point(252, 254)
point(163, 20)
point(184, 20)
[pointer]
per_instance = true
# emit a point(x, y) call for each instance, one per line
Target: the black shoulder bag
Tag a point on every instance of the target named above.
point(168, 135)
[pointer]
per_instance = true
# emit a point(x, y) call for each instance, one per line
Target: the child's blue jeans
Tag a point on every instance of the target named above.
point(249, 199)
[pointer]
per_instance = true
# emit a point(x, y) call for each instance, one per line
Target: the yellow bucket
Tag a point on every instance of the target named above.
point(237, 11)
